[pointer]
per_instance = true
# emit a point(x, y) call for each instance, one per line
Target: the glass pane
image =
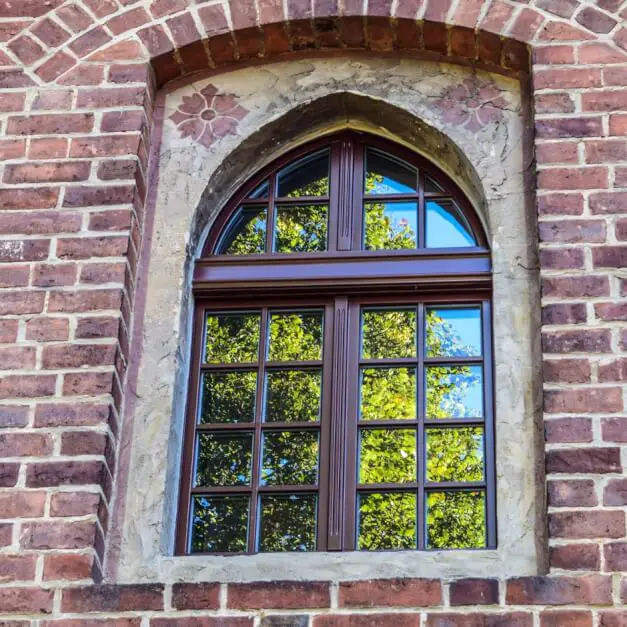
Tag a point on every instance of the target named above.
point(223, 459)
point(290, 458)
point(261, 191)
point(245, 233)
point(307, 177)
point(387, 521)
point(293, 395)
point(232, 338)
point(431, 186)
point(387, 456)
point(453, 332)
point(388, 175)
point(446, 226)
point(388, 393)
point(295, 336)
point(454, 392)
point(390, 226)
point(219, 524)
point(455, 454)
point(288, 523)
point(456, 520)
point(228, 396)
point(301, 229)
point(388, 333)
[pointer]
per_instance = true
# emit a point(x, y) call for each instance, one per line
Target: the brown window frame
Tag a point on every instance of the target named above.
point(341, 280)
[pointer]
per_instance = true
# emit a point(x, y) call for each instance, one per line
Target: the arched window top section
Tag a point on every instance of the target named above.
point(347, 193)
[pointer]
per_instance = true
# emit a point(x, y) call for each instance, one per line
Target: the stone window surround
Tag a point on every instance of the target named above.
point(147, 555)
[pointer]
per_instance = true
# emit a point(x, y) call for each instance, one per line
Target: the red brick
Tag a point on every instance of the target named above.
point(54, 67)
point(24, 445)
point(116, 220)
point(22, 504)
point(8, 475)
point(50, 100)
point(47, 148)
point(513, 619)
point(609, 257)
point(576, 557)
point(109, 97)
point(6, 534)
point(84, 248)
point(616, 76)
point(592, 177)
point(587, 524)
point(39, 198)
point(112, 598)
point(77, 355)
point(604, 100)
point(196, 596)
point(48, 275)
point(576, 287)
point(122, 121)
point(95, 273)
point(474, 592)
point(17, 567)
point(12, 416)
point(11, 78)
point(47, 329)
point(14, 276)
point(81, 301)
point(565, 618)
point(12, 149)
point(621, 230)
point(90, 41)
point(595, 20)
point(74, 17)
point(554, 103)
point(26, 600)
point(24, 250)
point(564, 313)
point(566, 78)
point(613, 371)
point(87, 383)
point(74, 504)
point(583, 400)
point(618, 124)
point(586, 590)
point(24, 386)
point(12, 101)
point(561, 204)
point(557, 153)
point(70, 415)
point(121, 51)
point(575, 493)
point(51, 123)
point(105, 146)
point(613, 618)
point(50, 33)
point(563, 8)
point(614, 429)
point(595, 460)
point(130, 72)
point(67, 566)
point(57, 535)
point(46, 172)
point(204, 621)
point(572, 231)
point(279, 595)
point(606, 151)
point(26, 49)
point(566, 371)
point(615, 556)
point(83, 443)
point(102, 8)
point(39, 475)
point(83, 75)
point(92, 196)
point(566, 430)
point(366, 620)
point(608, 202)
point(615, 492)
point(577, 341)
point(390, 592)
point(128, 20)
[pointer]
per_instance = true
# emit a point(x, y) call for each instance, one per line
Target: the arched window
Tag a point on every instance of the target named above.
point(341, 385)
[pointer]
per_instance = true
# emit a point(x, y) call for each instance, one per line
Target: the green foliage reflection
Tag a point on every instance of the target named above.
point(288, 523)
point(455, 454)
point(219, 524)
point(293, 395)
point(387, 521)
point(224, 459)
point(295, 336)
point(387, 456)
point(301, 229)
point(388, 393)
point(388, 333)
point(232, 338)
point(290, 458)
point(455, 520)
point(228, 396)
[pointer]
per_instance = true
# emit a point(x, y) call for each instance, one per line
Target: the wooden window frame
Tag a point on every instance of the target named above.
point(341, 280)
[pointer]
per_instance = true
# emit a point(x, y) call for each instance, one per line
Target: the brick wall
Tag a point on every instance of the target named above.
point(78, 79)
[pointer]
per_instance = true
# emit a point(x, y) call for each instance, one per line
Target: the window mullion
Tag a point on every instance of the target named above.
point(489, 443)
point(420, 436)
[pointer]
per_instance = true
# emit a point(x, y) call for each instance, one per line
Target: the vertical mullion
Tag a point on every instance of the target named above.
point(420, 436)
point(356, 206)
point(421, 210)
point(270, 217)
point(488, 404)
point(259, 399)
point(184, 512)
point(326, 419)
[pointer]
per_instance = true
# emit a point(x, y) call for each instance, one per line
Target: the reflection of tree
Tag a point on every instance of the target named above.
point(387, 521)
point(246, 234)
point(293, 395)
point(455, 520)
point(290, 458)
point(295, 337)
point(288, 523)
point(219, 524)
point(301, 229)
point(228, 396)
point(232, 338)
point(388, 393)
point(387, 456)
point(224, 459)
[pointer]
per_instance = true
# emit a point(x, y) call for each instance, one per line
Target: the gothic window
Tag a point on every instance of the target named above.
point(341, 386)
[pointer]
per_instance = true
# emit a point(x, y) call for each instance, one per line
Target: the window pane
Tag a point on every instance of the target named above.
point(388, 393)
point(453, 332)
point(455, 454)
point(245, 233)
point(309, 176)
point(387, 456)
point(223, 459)
point(293, 395)
point(454, 392)
point(390, 226)
point(295, 336)
point(232, 338)
point(446, 226)
point(431, 186)
point(388, 333)
point(387, 521)
point(290, 458)
point(388, 175)
point(260, 191)
point(219, 524)
point(301, 229)
point(228, 396)
point(456, 520)
point(288, 523)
